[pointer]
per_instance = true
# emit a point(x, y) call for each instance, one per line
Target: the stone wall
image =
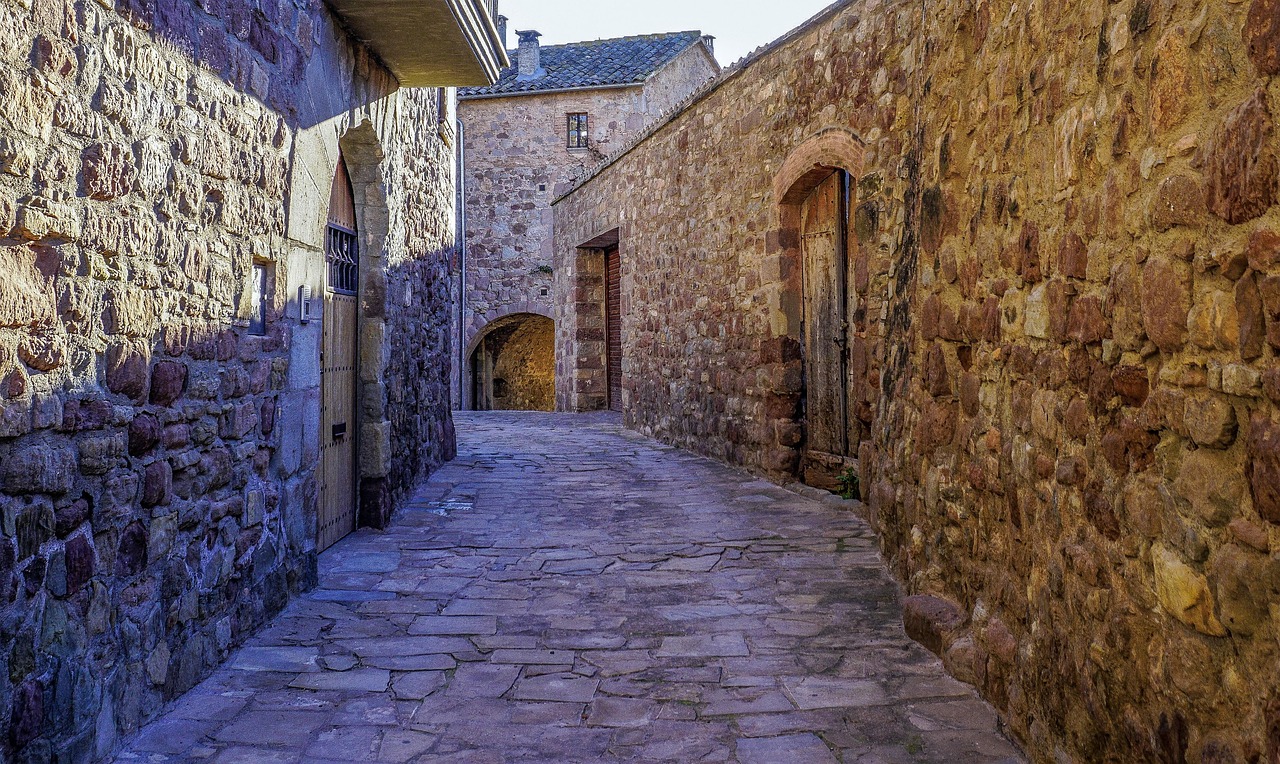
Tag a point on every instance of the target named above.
point(1066, 262)
point(158, 455)
point(517, 162)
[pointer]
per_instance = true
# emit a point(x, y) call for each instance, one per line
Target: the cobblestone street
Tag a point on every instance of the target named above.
point(568, 591)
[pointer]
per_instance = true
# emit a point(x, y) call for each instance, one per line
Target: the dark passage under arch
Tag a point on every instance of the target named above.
point(513, 365)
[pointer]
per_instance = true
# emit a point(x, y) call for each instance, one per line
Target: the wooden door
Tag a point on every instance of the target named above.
point(613, 325)
point(338, 373)
point(826, 328)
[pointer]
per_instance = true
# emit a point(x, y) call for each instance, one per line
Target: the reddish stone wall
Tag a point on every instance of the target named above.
point(1067, 219)
point(158, 458)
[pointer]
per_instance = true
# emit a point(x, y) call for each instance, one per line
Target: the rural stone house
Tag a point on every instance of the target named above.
point(556, 112)
point(1016, 267)
point(224, 328)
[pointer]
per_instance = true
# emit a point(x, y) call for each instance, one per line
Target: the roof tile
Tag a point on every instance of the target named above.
point(599, 63)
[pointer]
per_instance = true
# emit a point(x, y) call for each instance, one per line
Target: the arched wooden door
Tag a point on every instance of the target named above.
point(338, 375)
point(829, 444)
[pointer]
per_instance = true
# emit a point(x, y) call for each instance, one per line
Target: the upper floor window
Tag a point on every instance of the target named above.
point(578, 130)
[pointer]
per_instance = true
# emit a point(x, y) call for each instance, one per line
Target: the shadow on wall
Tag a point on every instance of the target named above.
point(261, 49)
point(513, 365)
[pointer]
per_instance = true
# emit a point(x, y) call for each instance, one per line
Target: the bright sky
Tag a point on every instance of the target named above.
point(739, 26)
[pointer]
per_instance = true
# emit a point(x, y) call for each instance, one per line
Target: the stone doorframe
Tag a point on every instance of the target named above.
point(584, 344)
point(781, 278)
point(364, 156)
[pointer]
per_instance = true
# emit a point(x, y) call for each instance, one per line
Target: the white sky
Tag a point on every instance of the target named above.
point(739, 26)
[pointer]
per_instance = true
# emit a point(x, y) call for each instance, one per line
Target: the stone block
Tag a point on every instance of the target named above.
point(1250, 317)
point(1086, 322)
point(1263, 466)
point(26, 297)
point(1210, 421)
point(129, 312)
point(1263, 251)
point(1208, 482)
point(157, 484)
point(168, 382)
point(26, 713)
point(1073, 257)
point(33, 525)
point(1132, 384)
point(1240, 163)
point(108, 171)
point(100, 453)
point(128, 369)
point(1245, 584)
point(1262, 36)
point(932, 621)
point(1178, 201)
point(80, 562)
point(72, 516)
point(161, 535)
point(144, 434)
point(1239, 379)
point(1183, 593)
point(1166, 301)
point(42, 353)
point(40, 469)
point(238, 420)
point(131, 555)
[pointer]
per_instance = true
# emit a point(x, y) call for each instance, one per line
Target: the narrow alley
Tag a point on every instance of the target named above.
point(568, 591)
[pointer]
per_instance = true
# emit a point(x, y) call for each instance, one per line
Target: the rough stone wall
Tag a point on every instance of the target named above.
point(157, 458)
point(517, 162)
point(672, 85)
point(1067, 216)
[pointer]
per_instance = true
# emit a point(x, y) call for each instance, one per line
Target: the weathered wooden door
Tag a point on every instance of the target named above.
point(613, 325)
point(826, 328)
point(338, 375)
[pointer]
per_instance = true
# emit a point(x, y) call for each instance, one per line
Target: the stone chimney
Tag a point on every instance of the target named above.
point(502, 30)
point(710, 42)
point(530, 56)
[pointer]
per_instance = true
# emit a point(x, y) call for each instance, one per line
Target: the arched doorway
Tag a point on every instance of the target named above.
point(339, 378)
point(513, 365)
point(831, 438)
point(816, 190)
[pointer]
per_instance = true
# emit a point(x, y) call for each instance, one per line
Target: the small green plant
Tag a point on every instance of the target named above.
point(915, 745)
point(544, 269)
point(849, 486)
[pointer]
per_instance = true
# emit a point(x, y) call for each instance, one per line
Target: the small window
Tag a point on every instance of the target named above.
point(258, 301)
point(578, 130)
point(342, 252)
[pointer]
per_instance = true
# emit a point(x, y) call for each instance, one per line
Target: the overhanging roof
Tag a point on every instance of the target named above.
point(429, 43)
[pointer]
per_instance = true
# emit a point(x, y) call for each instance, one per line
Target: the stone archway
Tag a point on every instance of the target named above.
point(820, 307)
point(513, 365)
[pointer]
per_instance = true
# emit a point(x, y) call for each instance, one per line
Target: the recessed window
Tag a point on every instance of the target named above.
point(258, 301)
point(578, 130)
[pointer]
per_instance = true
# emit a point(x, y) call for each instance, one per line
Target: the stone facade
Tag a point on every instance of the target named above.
point(517, 161)
point(1064, 259)
point(159, 447)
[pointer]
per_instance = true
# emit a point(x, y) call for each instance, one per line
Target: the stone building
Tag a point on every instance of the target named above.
point(1017, 268)
point(556, 112)
point(224, 336)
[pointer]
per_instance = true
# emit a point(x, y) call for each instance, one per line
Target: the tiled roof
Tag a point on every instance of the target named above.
point(599, 63)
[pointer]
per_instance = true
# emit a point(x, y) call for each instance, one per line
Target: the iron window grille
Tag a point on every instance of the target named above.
point(578, 130)
point(342, 253)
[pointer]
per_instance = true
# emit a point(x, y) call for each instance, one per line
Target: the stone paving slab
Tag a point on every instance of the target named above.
point(567, 591)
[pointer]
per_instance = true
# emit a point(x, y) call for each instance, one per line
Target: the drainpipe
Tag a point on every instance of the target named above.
point(462, 265)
